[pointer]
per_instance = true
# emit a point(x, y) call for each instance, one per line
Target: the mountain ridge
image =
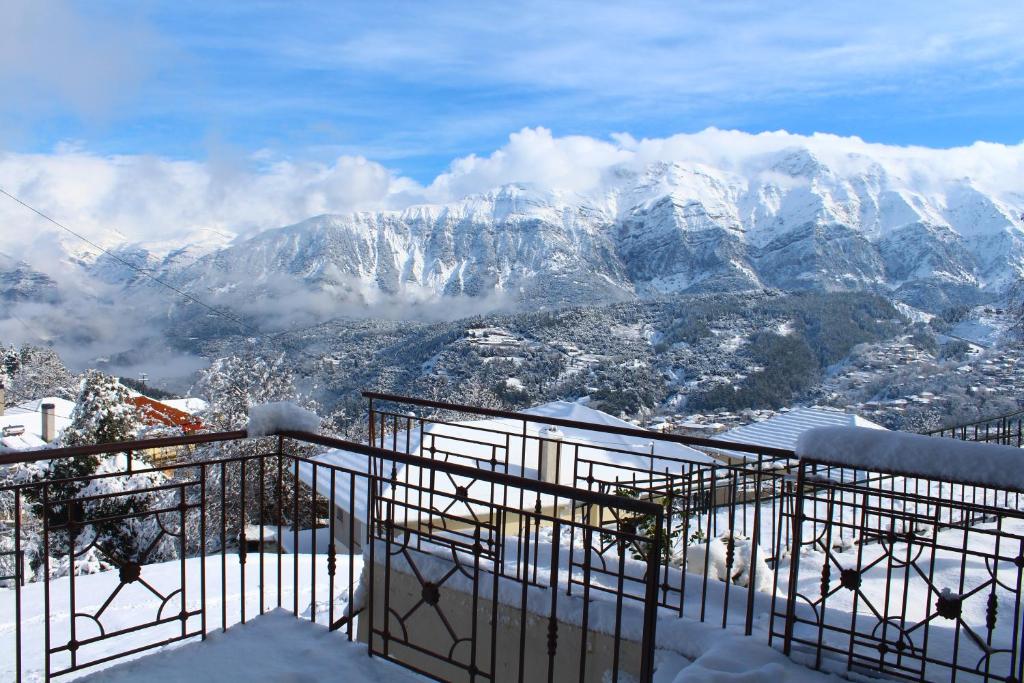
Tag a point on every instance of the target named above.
point(794, 222)
point(788, 219)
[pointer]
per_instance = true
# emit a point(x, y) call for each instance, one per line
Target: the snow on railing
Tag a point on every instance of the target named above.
point(950, 460)
point(267, 419)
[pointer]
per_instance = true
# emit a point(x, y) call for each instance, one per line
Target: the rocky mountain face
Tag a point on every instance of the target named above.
point(787, 220)
point(19, 282)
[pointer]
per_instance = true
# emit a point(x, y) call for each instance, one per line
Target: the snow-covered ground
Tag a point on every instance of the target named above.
point(274, 647)
point(136, 604)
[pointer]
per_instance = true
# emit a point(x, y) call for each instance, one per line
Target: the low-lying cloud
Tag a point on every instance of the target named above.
point(126, 199)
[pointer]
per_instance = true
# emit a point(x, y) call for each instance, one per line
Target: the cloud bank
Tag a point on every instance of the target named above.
point(164, 203)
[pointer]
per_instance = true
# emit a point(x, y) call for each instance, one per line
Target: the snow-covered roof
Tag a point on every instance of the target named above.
point(189, 405)
point(783, 430)
point(29, 415)
point(606, 456)
point(642, 447)
point(345, 461)
point(968, 462)
point(18, 442)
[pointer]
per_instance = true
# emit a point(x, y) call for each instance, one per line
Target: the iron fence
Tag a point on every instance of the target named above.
point(253, 525)
point(901, 580)
point(1007, 430)
point(730, 525)
point(498, 549)
point(730, 499)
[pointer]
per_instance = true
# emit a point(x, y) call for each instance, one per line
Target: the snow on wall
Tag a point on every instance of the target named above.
point(272, 647)
point(934, 457)
point(270, 418)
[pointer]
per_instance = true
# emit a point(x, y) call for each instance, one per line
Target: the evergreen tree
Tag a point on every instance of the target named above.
point(231, 386)
point(97, 521)
point(103, 412)
point(35, 372)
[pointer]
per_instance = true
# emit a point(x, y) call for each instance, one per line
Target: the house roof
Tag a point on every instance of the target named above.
point(11, 439)
point(498, 444)
point(783, 430)
point(155, 413)
point(29, 414)
point(190, 405)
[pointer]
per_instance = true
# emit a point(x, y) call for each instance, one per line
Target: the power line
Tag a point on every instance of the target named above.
point(26, 411)
point(132, 266)
point(251, 329)
point(28, 327)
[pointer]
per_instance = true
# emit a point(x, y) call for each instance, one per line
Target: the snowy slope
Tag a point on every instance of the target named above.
point(928, 227)
point(789, 219)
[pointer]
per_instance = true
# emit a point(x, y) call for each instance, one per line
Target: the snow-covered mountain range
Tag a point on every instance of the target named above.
point(788, 219)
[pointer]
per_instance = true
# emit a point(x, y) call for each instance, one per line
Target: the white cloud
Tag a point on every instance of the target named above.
point(533, 155)
point(126, 199)
point(54, 52)
point(581, 164)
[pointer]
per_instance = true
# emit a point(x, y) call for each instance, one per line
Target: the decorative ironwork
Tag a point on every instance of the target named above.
point(852, 548)
point(918, 596)
point(431, 593)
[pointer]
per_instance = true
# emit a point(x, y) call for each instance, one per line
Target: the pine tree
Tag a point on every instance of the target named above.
point(98, 521)
point(231, 386)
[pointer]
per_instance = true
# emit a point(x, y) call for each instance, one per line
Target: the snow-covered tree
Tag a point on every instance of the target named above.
point(103, 412)
point(35, 372)
point(231, 386)
point(95, 512)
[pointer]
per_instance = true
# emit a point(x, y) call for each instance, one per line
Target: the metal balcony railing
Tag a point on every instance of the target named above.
point(474, 544)
point(1007, 430)
point(234, 531)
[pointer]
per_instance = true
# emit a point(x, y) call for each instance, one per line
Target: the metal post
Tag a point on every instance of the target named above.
point(794, 562)
point(651, 601)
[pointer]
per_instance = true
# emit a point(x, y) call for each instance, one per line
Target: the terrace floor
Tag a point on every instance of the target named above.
point(274, 647)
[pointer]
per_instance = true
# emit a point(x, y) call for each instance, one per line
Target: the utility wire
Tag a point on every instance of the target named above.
point(132, 266)
point(26, 411)
point(251, 329)
point(28, 327)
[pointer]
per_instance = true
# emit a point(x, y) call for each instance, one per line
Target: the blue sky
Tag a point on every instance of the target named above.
point(414, 85)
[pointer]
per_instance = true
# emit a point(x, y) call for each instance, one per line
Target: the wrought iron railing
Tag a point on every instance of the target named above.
point(1007, 430)
point(918, 582)
point(252, 525)
point(746, 509)
point(497, 550)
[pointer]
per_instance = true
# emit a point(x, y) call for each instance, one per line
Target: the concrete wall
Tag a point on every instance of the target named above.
point(341, 531)
point(426, 629)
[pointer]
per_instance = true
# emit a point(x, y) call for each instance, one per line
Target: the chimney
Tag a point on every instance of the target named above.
point(49, 422)
point(551, 470)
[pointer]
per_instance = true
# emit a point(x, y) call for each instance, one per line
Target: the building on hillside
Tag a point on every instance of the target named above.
point(174, 414)
point(34, 424)
point(784, 429)
point(154, 413)
point(564, 455)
